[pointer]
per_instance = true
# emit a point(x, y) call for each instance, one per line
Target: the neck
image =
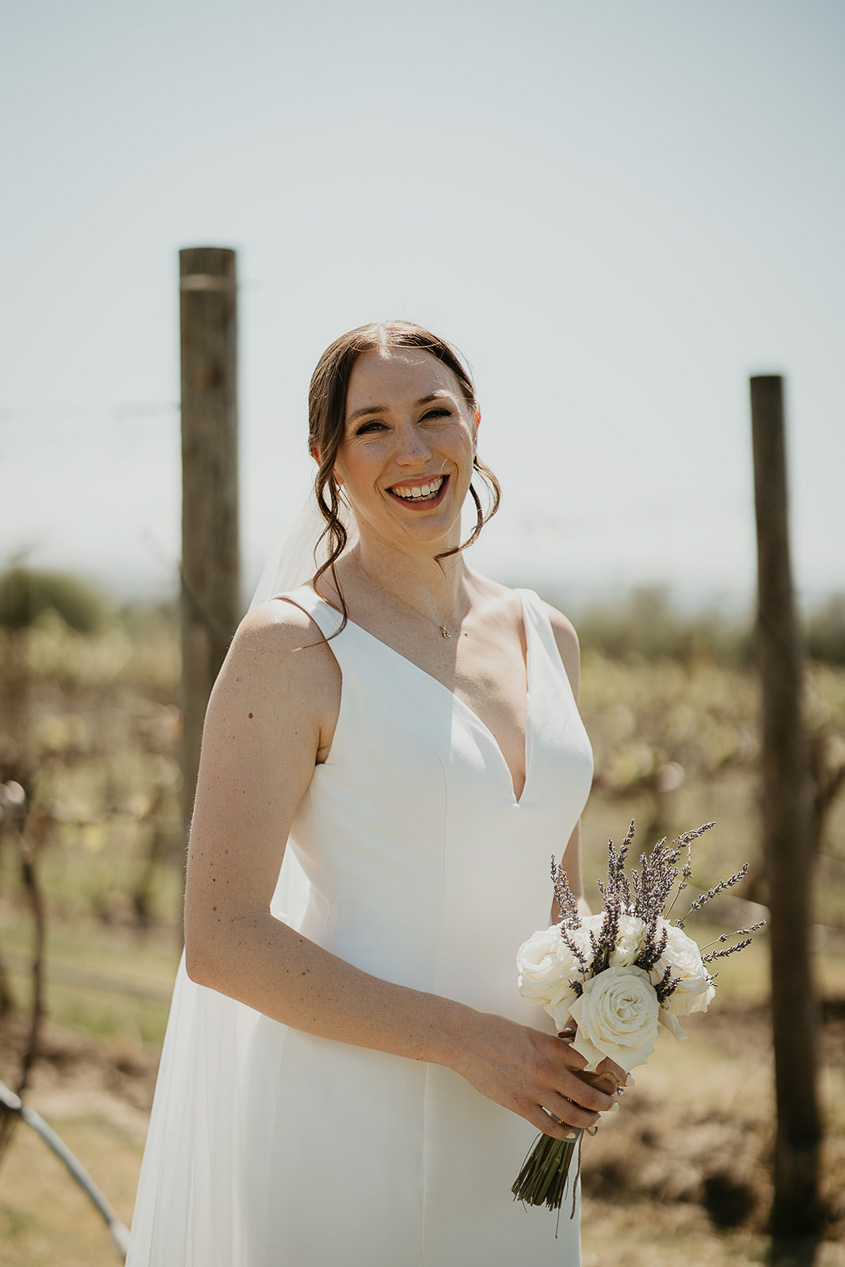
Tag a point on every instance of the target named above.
point(437, 591)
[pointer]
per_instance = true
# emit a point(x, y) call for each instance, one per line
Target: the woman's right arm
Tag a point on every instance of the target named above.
point(270, 718)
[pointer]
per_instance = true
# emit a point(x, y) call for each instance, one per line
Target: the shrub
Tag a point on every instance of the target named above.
point(825, 630)
point(25, 594)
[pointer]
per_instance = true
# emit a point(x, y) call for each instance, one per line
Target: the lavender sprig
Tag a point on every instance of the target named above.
point(617, 878)
point(703, 898)
point(686, 876)
point(667, 985)
point(723, 954)
point(731, 950)
point(565, 898)
point(653, 946)
point(685, 840)
point(583, 962)
point(604, 945)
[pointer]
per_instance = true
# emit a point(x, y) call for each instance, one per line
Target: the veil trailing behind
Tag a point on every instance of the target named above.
point(191, 1205)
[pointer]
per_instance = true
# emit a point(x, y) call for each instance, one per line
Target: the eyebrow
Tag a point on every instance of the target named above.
point(441, 394)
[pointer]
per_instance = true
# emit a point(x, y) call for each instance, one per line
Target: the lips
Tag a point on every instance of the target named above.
point(425, 493)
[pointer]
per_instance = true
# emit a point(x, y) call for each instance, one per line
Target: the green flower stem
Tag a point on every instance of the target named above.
point(544, 1175)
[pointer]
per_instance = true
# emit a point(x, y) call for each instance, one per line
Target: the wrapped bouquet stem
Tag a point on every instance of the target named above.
point(545, 1174)
point(620, 976)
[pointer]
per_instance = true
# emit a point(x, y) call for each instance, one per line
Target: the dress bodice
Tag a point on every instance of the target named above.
point(410, 834)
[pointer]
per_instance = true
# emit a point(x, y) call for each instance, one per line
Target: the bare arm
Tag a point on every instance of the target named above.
point(270, 718)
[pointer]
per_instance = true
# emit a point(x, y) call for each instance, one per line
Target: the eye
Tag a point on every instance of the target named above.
point(368, 427)
point(438, 412)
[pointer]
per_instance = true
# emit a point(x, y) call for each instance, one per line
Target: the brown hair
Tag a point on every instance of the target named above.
point(327, 422)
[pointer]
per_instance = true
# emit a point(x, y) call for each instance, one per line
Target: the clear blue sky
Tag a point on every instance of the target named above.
point(617, 209)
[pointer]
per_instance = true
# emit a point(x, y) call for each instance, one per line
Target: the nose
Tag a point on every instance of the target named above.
point(412, 445)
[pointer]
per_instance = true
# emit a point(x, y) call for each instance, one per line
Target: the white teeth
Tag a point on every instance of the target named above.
point(420, 491)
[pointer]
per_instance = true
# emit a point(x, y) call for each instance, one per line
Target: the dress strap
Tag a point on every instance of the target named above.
point(535, 611)
point(325, 617)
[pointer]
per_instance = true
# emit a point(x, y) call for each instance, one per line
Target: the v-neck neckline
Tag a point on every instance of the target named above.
point(469, 711)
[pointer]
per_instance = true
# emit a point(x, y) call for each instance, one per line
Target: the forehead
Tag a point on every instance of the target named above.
point(382, 376)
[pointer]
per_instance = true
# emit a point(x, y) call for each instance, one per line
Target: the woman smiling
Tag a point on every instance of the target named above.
point(402, 734)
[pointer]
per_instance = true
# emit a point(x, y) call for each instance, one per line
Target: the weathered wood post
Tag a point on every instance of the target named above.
point(210, 574)
point(786, 816)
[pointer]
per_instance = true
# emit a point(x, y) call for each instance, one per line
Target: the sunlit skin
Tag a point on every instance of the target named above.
point(271, 719)
point(407, 424)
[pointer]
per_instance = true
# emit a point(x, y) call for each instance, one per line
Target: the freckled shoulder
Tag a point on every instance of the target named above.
point(567, 643)
point(276, 629)
point(290, 623)
point(280, 650)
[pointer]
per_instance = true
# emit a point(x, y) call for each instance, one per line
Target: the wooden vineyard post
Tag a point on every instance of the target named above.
point(210, 573)
point(787, 835)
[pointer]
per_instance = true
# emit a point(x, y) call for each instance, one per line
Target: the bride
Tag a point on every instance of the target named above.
point(349, 1075)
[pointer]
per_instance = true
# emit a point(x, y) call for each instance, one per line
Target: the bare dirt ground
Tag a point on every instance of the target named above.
point(679, 1175)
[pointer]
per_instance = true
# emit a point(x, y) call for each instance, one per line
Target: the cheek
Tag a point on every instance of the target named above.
point(353, 467)
point(460, 441)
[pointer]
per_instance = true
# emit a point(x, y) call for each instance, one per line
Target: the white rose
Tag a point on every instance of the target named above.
point(682, 957)
point(670, 1022)
point(629, 941)
point(546, 964)
point(617, 1016)
point(559, 1005)
point(541, 962)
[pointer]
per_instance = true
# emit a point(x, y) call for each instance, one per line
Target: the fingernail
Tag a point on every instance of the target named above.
point(629, 1081)
point(570, 1138)
point(614, 1106)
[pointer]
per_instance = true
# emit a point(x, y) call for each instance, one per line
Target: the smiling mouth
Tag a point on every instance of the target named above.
point(423, 494)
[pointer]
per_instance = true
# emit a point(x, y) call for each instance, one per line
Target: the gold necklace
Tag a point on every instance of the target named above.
point(445, 632)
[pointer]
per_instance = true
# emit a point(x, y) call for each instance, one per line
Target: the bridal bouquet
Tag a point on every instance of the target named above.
point(620, 975)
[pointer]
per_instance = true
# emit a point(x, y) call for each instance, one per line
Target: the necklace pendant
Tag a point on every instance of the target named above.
point(445, 632)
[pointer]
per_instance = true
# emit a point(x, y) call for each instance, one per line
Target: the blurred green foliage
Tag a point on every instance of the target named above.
point(825, 631)
point(26, 594)
point(645, 624)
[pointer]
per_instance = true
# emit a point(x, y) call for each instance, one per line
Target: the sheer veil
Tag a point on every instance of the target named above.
point(298, 557)
point(191, 1183)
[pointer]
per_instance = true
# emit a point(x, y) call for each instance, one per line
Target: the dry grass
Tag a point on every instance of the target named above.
point(684, 1167)
point(45, 1218)
point(96, 1096)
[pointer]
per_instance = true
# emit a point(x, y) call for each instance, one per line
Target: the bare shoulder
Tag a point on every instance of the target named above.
point(567, 644)
point(497, 600)
point(278, 628)
point(279, 653)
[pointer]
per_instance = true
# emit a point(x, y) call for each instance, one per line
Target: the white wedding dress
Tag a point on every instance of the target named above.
point(269, 1147)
